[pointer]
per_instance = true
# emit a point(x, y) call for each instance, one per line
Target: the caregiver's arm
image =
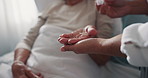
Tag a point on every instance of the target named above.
point(23, 51)
point(110, 47)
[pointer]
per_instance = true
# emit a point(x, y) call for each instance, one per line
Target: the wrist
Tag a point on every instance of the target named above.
point(111, 46)
point(21, 55)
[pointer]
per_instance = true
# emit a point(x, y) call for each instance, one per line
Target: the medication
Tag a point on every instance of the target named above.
point(99, 2)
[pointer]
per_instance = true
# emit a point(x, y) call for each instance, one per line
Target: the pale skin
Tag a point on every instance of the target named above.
point(19, 68)
point(111, 46)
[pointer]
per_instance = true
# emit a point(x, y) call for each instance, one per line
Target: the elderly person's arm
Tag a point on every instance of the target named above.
point(22, 53)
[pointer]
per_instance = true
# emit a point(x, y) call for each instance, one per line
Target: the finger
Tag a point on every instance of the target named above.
point(74, 40)
point(103, 9)
point(59, 38)
point(67, 48)
point(64, 35)
point(98, 7)
point(81, 37)
point(110, 2)
point(92, 32)
point(63, 40)
point(111, 13)
point(116, 3)
point(69, 35)
point(88, 27)
point(30, 74)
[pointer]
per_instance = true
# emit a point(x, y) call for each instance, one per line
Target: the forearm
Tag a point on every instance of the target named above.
point(28, 41)
point(112, 46)
point(21, 55)
point(23, 48)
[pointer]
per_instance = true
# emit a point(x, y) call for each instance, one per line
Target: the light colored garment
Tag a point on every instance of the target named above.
point(69, 17)
point(137, 50)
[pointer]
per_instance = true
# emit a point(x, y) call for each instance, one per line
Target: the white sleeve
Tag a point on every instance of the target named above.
point(134, 44)
point(28, 41)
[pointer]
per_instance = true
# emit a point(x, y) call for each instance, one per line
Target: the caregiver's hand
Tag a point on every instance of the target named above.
point(88, 46)
point(72, 2)
point(114, 8)
point(110, 47)
point(20, 70)
point(80, 34)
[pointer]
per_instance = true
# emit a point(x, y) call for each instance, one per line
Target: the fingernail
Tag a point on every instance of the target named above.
point(59, 38)
point(61, 35)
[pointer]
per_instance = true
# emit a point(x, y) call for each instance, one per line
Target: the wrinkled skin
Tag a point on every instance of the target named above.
point(20, 70)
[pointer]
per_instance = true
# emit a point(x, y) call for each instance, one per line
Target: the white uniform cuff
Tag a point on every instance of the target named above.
point(135, 51)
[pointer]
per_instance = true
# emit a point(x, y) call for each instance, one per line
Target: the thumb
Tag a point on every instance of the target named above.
point(91, 30)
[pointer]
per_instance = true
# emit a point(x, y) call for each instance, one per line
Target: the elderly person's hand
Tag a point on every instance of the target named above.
point(20, 70)
point(72, 2)
point(119, 8)
point(80, 34)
